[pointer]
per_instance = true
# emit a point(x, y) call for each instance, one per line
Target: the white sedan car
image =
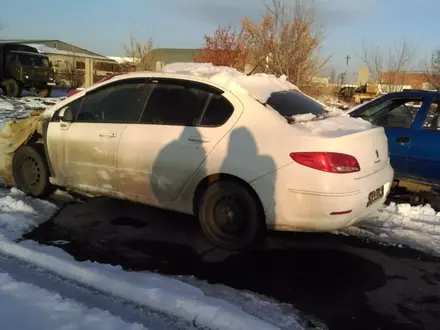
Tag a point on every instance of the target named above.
point(215, 144)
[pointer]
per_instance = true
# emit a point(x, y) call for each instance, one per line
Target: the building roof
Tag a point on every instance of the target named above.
point(49, 50)
point(57, 47)
point(122, 59)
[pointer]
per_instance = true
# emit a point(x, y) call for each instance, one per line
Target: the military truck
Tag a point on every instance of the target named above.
point(22, 67)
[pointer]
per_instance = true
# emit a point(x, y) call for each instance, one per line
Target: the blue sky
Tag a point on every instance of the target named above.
point(104, 25)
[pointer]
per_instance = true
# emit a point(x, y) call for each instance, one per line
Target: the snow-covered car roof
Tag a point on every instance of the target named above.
point(259, 85)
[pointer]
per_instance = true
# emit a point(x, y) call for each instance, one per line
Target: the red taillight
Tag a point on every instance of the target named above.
point(332, 162)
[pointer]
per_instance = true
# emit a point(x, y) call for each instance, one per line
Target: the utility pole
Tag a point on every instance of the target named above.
point(347, 58)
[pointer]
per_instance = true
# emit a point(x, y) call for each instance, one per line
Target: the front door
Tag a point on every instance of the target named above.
point(181, 124)
point(397, 115)
point(87, 147)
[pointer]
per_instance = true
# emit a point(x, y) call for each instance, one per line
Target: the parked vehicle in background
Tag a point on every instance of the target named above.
point(221, 151)
point(412, 123)
point(358, 94)
point(22, 67)
point(77, 90)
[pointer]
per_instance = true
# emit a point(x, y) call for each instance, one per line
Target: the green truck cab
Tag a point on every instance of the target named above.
point(22, 67)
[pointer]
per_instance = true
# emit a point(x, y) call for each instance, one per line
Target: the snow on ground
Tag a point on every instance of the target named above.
point(402, 224)
point(20, 213)
point(19, 108)
point(25, 306)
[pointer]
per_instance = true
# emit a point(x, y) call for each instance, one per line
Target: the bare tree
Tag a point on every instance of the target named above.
point(140, 55)
point(433, 70)
point(70, 72)
point(287, 41)
point(388, 66)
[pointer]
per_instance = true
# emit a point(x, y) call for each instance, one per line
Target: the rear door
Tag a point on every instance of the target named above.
point(181, 123)
point(397, 114)
point(424, 157)
point(86, 148)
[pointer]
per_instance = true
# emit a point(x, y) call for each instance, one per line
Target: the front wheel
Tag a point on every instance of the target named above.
point(12, 88)
point(230, 216)
point(31, 172)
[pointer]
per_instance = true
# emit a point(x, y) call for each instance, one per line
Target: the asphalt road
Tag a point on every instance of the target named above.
point(345, 282)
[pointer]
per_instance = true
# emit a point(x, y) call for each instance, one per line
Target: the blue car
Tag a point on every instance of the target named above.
point(412, 125)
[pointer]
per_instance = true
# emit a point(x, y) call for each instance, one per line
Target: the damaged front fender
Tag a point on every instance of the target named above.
point(14, 134)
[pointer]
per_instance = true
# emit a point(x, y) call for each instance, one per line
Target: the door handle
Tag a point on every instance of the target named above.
point(107, 134)
point(198, 139)
point(403, 139)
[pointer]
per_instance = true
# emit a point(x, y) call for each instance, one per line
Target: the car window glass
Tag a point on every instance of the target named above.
point(118, 103)
point(175, 103)
point(291, 103)
point(218, 111)
point(74, 107)
point(432, 118)
point(397, 112)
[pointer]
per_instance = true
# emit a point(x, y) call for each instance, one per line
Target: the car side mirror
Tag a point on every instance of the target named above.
point(50, 64)
point(66, 115)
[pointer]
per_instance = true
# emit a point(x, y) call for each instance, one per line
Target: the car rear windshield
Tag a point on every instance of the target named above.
point(291, 103)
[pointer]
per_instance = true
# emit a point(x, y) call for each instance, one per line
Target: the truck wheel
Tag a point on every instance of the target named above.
point(31, 172)
point(44, 92)
point(230, 216)
point(12, 88)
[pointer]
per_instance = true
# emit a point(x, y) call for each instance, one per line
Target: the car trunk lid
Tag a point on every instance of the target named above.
point(352, 136)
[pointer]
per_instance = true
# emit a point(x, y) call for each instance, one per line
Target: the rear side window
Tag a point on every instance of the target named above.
point(175, 103)
point(186, 103)
point(432, 120)
point(291, 103)
point(217, 112)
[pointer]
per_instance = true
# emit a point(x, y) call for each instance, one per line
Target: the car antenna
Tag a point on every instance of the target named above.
point(258, 64)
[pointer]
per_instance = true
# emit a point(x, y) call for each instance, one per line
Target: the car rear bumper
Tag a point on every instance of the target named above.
point(302, 210)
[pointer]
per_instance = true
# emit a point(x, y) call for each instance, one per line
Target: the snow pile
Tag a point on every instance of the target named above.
point(20, 108)
point(258, 86)
point(415, 226)
point(47, 310)
point(335, 125)
point(20, 213)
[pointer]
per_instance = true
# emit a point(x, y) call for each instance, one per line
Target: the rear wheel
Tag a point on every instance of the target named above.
point(30, 171)
point(230, 215)
point(12, 88)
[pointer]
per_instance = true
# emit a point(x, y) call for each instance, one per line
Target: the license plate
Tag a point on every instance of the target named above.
point(51, 84)
point(375, 195)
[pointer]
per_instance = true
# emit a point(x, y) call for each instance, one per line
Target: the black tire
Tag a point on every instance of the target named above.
point(231, 216)
point(12, 88)
point(31, 172)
